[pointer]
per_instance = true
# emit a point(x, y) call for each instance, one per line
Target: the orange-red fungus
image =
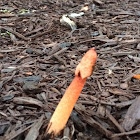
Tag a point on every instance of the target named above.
point(136, 76)
point(65, 106)
point(85, 67)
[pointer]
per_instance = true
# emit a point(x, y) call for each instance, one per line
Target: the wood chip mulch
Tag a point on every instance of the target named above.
point(38, 57)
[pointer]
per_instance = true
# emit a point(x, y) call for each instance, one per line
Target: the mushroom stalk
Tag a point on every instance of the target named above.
point(66, 105)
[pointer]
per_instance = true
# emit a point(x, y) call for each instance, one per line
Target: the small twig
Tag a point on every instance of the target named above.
point(126, 133)
point(14, 32)
point(131, 74)
point(34, 31)
point(97, 100)
point(11, 136)
point(129, 42)
point(7, 15)
point(123, 53)
point(97, 125)
point(57, 53)
point(60, 60)
point(43, 33)
point(124, 104)
point(10, 78)
point(114, 121)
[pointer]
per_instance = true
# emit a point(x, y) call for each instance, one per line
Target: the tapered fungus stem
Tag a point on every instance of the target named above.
point(65, 106)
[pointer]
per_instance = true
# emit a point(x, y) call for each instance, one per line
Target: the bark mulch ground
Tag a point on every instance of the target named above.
point(38, 57)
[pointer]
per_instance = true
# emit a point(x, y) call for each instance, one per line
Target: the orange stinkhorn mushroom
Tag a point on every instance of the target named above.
point(136, 76)
point(65, 106)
